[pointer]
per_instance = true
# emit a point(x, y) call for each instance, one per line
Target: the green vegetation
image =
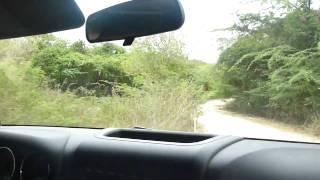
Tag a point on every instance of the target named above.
point(274, 65)
point(48, 81)
point(271, 69)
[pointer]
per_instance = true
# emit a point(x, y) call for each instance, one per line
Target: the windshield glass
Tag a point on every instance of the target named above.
point(244, 68)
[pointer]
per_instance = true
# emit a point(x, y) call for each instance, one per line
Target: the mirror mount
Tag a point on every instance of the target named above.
point(128, 41)
point(133, 19)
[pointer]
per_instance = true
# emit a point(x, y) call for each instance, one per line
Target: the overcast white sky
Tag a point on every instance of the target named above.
point(202, 16)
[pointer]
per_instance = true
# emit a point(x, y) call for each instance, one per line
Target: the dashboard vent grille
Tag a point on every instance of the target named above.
point(175, 137)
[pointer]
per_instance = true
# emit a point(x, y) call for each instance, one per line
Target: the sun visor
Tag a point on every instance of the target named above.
point(20, 18)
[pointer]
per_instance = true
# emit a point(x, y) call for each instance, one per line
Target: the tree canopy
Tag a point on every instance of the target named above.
point(273, 65)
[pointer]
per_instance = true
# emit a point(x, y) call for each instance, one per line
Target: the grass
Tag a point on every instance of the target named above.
point(26, 100)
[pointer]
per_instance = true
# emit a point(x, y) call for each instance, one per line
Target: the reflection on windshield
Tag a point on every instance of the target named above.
point(264, 83)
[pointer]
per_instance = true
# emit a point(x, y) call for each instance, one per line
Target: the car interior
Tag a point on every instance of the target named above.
point(58, 153)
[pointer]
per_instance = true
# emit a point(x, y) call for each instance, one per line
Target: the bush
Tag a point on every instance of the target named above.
point(280, 82)
point(71, 70)
point(273, 66)
point(29, 98)
point(62, 84)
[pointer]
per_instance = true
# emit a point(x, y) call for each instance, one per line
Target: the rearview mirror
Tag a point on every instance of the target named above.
point(133, 19)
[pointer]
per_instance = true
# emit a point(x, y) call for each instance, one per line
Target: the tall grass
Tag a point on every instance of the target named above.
point(26, 100)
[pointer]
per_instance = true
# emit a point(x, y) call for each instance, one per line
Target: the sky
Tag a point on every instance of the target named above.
point(202, 17)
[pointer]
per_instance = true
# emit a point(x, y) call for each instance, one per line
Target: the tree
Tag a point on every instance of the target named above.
point(47, 40)
point(245, 45)
point(273, 63)
point(298, 25)
point(160, 57)
point(71, 68)
point(108, 49)
point(79, 46)
point(290, 5)
point(167, 44)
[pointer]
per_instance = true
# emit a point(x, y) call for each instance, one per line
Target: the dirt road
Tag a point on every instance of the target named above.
point(215, 120)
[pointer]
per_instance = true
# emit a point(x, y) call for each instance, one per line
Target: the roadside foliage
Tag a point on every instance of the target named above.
point(273, 66)
point(49, 81)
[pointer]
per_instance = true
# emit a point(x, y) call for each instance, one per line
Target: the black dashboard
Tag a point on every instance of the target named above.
point(51, 153)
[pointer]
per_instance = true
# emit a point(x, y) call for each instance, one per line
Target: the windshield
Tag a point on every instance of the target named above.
point(244, 68)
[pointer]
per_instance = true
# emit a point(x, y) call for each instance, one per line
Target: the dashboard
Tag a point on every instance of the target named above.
point(54, 153)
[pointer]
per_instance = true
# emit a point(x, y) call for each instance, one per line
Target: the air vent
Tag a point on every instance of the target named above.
point(163, 136)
